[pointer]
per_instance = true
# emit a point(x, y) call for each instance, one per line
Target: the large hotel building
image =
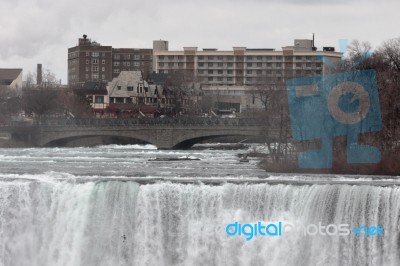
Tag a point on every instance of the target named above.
point(244, 66)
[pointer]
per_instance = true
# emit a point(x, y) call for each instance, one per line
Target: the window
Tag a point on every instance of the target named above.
point(116, 56)
point(201, 71)
point(249, 58)
point(210, 78)
point(220, 72)
point(180, 57)
point(103, 69)
point(259, 64)
point(298, 64)
point(211, 58)
point(116, 70)
point(130, 88)
point(169, 64)
point(249, 72)
point(259, 58)
point(259, 72)
point(127, 57)
point(210, 64)
point(201, 64)
point(219, 78)
point(230, 72)
point(86, 76)
point(220, 58)
point(180, 64)
point(210, 71)
point(201, 57)
point(87, 62)
point(116, 63)
point(230, 64)
point(308, 64)
point(87, 54)
point(95, 61)
point(220, 64)
point(136, 64)
point(95, 68)
point(103, 62)
point(99, 99)
point(278, 64)
point(249, 64)
point(95, 54)
point(103, 77)
point(87, 69)
point(103, 54)
point(229, 79)
point(95, 76)
point(137, 57)
point(161, 57)
point(159, 64)
point(119, 88)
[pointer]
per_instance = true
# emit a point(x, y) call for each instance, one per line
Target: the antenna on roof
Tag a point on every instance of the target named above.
point(313, 43)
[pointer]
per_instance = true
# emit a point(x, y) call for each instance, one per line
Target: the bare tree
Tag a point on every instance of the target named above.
point(182, 85)
point(10, 103)
point(272, 94)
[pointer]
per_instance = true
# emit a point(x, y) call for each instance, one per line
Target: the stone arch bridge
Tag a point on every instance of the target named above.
point(164, 133)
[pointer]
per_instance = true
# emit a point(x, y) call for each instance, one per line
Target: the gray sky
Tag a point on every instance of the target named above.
point(41, 31)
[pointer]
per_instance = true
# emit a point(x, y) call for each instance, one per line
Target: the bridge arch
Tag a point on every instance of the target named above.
point(67, 137)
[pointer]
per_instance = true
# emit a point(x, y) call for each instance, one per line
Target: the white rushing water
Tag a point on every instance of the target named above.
point(88, 215)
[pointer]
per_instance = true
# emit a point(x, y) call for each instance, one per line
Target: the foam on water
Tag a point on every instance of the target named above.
point(126, 210)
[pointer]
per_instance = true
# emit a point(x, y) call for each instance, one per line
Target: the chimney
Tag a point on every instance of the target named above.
point(39, 74)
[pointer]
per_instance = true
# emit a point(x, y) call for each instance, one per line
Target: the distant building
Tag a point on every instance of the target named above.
point(90, 61)
point(244, 66)
point(11, 78)
point(96, 93)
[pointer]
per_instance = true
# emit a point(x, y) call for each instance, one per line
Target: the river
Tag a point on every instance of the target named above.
point(130, 205)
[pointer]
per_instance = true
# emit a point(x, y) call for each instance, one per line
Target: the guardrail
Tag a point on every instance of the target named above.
point(179, 121)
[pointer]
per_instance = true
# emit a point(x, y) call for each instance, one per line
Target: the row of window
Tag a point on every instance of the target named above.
point(227, 58)
point(116, 56)
point(210, 64)
point(95, 76)
point(128, 63)
point(129, 56)
point(95, 61)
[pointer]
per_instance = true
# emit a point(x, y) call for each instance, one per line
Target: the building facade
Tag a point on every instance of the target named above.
point(11, 78)
point(243, 66)
point(91, 61)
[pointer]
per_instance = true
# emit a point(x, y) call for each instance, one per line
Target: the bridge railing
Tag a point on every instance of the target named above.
point(168, 121)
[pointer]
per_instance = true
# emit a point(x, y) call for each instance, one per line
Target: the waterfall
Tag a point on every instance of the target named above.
point(123, 223)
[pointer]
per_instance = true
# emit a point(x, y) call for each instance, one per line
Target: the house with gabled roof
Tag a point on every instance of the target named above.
point(97, 94)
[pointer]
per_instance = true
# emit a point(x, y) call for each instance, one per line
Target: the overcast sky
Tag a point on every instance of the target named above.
point(41, 31)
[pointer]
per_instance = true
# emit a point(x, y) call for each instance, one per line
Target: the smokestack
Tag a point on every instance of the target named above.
point(39, 74)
